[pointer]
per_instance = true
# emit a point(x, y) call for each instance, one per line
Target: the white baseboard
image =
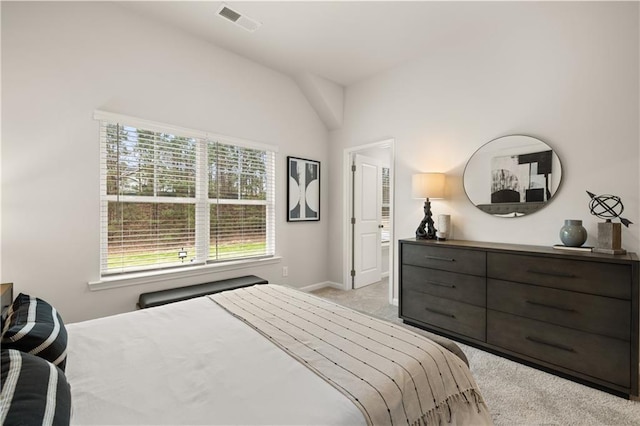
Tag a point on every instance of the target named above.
point(322, 285)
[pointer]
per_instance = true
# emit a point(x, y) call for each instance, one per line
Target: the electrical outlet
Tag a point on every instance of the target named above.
point(285, 271)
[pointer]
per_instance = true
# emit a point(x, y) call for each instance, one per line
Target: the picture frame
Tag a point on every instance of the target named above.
point(303, 189)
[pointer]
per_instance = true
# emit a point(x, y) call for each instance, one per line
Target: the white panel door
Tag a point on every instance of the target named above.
point(367, 210)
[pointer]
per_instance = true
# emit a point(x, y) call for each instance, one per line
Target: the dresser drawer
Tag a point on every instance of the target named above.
point(447, 259)
point(450, 285)
point(451, 315)
point(605, 279)
point(596, 314)
point(597, 356)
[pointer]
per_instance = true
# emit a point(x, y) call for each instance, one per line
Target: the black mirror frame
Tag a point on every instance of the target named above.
point(506, 209)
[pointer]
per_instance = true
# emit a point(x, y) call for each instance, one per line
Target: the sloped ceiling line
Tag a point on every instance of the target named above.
point(325, 96)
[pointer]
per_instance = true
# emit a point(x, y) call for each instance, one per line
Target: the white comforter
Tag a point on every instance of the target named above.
point(192, 362)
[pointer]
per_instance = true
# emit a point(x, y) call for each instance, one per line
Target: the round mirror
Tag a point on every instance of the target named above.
point(512, 176)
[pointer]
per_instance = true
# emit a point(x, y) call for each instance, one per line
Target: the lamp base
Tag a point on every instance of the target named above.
point(419, 237)
point(426, 231)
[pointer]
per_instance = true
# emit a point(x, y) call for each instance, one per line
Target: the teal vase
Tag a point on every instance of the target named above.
point(573, 234)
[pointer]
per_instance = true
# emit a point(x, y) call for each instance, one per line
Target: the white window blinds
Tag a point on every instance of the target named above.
point(175, 197)
point(241, 207)
point(385, 234)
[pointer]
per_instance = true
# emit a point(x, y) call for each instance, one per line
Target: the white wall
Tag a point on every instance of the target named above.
point(63, 60)
point(565, 72)
point(0, 154)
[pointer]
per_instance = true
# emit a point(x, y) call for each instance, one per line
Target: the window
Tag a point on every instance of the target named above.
point(174, 197)
point(385, 234)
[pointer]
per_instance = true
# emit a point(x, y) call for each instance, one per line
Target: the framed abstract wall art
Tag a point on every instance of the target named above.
point(303, 190)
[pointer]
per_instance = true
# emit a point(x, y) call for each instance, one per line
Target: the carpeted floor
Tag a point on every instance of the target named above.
point(516, 394)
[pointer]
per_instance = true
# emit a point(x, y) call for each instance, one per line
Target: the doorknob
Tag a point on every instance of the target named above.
point(380, 226)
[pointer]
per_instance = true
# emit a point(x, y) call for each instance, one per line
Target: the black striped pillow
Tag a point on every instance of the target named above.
point(33, 391)
point(34, 326)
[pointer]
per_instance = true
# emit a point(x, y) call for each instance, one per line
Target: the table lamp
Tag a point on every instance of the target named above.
point(427, 186)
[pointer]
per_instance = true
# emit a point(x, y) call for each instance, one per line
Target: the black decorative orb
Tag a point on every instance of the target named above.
point(606, 206)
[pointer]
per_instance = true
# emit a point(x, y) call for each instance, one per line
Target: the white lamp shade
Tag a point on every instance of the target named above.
point(427, 185)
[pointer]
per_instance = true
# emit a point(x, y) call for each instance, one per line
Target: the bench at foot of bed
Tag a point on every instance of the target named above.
point(162, 297)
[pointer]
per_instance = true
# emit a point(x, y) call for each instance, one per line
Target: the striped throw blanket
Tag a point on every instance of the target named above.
point(392, 374)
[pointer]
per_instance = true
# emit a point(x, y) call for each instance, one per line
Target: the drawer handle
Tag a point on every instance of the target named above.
point(552, 274)
point(560, 308)
point(445, 314)
point(446, 259)
point(439, 284)
point(553, 345)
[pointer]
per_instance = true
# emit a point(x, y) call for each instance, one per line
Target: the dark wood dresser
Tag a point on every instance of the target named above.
point(574, 314)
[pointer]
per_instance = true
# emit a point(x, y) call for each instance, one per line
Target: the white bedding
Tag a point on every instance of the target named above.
point(192, 362)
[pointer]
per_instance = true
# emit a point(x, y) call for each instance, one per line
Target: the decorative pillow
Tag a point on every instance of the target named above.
point(34, 326)
point(33, 391)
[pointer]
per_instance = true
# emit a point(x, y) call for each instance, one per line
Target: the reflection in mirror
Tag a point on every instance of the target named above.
point(512, 176)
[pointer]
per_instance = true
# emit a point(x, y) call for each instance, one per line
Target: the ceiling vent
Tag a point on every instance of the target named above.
point(239, 19)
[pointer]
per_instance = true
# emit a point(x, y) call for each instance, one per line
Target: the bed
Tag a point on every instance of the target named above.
point(263, 355)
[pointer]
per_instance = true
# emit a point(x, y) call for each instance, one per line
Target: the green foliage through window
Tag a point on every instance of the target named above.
point(172, 200)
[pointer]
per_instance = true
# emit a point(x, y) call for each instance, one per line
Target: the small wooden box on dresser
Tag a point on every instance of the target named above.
point(574, 314)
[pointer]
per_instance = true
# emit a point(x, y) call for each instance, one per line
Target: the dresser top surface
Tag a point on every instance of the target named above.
point(526, 249)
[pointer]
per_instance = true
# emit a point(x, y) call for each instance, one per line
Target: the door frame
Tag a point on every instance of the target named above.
point(346, 211)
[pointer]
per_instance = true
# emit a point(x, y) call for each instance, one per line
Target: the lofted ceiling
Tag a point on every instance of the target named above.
point(341, 41)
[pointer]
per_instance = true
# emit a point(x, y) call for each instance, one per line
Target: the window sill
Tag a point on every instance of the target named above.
point(125, 280)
